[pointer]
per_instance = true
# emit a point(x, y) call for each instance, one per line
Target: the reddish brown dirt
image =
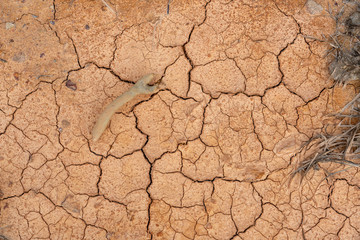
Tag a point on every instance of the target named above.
point(207, 157)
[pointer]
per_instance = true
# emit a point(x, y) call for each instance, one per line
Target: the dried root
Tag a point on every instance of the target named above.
point(141, 87)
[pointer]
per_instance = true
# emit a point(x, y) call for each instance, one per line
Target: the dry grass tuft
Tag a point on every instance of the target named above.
point(343, 146)
point(345, 45)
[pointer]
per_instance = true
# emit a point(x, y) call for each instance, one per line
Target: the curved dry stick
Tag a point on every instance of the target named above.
point(140, 87)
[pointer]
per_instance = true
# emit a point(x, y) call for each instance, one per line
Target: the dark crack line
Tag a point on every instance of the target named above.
point(54, 10)
point(76, 52)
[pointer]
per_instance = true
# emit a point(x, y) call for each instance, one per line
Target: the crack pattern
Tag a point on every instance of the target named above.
point(207, 157)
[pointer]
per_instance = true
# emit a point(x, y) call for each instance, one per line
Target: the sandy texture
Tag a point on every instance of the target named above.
point(207, 157)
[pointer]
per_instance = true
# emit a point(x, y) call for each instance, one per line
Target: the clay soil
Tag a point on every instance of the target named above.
point(243, 85)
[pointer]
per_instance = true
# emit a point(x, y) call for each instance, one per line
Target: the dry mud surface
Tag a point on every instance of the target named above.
point(206, 157)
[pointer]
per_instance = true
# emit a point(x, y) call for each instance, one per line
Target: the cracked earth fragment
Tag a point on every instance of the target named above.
point(91, 27)
point(26, 67)
point(297, 62)
point(147, 54)
point(315, 115)
point(34, 216)
point(39, 10)
point(120, 221)
point(243, 85)
point(219, 76)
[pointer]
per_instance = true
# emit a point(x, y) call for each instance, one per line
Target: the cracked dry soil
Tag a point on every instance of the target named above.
point(207, 157)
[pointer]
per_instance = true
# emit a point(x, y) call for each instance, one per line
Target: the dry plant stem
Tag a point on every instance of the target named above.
point(350, 103)
point(107, 5)
point(140, 87)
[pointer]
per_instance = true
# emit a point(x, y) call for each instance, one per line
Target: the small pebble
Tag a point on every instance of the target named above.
point(19, 57)
point(9, 25)
point(65, 123)
point(87, 27)
point(71, 85)
point(16, 75)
